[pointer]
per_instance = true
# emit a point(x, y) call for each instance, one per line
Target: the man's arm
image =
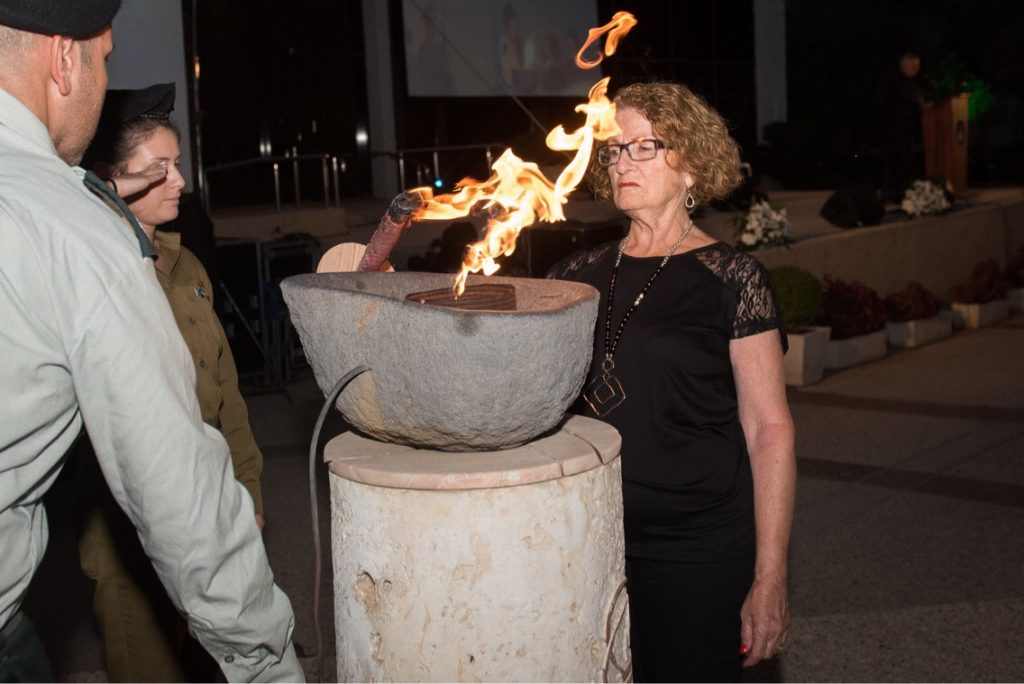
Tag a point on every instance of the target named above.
point(134, 380)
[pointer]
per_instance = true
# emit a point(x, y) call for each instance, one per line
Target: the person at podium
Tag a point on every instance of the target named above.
point(903, 101)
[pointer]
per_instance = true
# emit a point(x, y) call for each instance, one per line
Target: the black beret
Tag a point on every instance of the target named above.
point(121, 106)
point(74, 18)
point(153, 102)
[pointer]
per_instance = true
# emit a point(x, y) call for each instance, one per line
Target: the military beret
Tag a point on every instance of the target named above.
point(120, 107)
point(74, 18)
point(153, 102)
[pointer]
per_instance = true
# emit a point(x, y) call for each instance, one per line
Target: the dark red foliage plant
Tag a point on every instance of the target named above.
point(911, 303)
point(852, 308)
point(1015, 270)
point(986, 283)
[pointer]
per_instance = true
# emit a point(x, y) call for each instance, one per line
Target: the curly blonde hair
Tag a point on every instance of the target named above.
point(687, 124)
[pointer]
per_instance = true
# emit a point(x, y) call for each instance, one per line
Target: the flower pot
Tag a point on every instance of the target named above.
point(920, 331)
point(981, 314)
point(855, 350)
point(1016, 298)
point(804, 362)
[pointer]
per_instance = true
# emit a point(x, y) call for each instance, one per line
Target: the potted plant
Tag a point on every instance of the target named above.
point(982, 299)
point(915, 317)
point(799, 295)
point(1015, 281)
point(856, 315)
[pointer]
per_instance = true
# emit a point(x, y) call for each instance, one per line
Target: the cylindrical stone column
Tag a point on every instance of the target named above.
point(485, 566)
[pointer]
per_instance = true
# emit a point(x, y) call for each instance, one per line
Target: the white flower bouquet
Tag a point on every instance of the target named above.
point(763, 224)
point(924, 197)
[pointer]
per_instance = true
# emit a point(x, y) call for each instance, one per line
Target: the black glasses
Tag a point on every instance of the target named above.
point(638, 150)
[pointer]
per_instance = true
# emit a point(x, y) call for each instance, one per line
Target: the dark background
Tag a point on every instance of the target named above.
point(292, 74)
point(839, 53)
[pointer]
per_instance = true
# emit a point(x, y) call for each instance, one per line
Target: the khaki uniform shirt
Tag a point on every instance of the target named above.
point(190, 293)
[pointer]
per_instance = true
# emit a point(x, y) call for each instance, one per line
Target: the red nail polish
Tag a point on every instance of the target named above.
point(744, 649)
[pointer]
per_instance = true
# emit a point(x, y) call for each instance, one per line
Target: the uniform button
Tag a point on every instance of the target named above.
point(229, 659)
point(202, 363)
point(192, 320)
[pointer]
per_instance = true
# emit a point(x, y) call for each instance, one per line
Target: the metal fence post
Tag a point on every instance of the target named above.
point(295, 174)
point(327, 183)
point(337, 184)
point(277, 186)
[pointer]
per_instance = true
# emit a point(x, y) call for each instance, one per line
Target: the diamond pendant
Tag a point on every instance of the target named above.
point(605, 392)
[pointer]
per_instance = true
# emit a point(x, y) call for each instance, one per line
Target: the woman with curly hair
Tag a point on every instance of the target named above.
point(688, 367)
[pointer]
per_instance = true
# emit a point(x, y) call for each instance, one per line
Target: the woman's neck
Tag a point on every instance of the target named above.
point(149, 230)
point(647, 239)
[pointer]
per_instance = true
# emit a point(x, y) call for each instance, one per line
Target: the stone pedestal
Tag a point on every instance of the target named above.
point(487, 566)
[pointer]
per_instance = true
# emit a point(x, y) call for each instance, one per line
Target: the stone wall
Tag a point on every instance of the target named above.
point(939, 252)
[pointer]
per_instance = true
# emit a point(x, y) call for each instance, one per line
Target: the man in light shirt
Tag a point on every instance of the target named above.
point(87, 338)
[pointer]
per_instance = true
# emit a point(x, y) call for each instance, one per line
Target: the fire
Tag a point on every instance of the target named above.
point(517, 194)
point(618, 27)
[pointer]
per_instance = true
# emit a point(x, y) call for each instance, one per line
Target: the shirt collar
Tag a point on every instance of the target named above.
point(19, 118)
point(168, 244)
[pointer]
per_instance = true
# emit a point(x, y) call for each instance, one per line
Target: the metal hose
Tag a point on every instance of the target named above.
point(318, 559)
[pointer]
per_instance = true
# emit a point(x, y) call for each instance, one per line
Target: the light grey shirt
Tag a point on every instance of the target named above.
point(86, 335)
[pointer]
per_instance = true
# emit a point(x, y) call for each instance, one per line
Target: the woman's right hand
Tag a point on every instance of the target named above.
point(128, 184)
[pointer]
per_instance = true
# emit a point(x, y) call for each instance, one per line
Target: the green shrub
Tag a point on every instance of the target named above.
point(799, 295)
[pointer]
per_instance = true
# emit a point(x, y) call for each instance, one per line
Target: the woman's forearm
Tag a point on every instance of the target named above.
point(773, 466)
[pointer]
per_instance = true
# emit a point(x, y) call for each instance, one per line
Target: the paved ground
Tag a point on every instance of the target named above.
point(907, 556)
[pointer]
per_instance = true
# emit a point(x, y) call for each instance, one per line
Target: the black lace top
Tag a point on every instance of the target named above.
point(686, 476)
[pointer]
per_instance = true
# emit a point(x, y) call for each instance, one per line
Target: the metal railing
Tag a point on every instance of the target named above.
point(414, 156)
point(332, 166)
point(421, 163)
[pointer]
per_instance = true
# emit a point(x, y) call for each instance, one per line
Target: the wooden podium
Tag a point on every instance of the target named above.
point(944, 128)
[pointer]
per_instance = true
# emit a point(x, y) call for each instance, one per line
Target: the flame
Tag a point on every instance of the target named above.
point(618, 27)
point(517, 194)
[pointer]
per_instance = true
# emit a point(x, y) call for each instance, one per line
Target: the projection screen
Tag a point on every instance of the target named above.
point(490, 48)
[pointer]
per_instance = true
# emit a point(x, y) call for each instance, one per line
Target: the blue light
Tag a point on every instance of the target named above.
point(438, 183)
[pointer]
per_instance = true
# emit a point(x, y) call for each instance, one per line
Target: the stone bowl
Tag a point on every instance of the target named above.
point(444, 378)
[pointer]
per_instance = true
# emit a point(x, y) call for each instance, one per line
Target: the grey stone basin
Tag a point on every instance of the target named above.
point(445, 378)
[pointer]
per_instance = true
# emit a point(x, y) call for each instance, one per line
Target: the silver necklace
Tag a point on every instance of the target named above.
point(605, 392)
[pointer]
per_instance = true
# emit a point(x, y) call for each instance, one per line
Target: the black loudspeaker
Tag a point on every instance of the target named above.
point(546, 244)
point(251, 308)
point(857, 205)
point(240, 303)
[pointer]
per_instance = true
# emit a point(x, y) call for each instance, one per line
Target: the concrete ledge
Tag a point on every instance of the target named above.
point(267, 224)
